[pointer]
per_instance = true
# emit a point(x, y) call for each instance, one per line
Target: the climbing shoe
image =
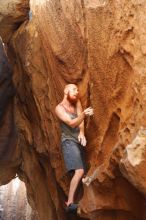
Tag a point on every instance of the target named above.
point(71, 208)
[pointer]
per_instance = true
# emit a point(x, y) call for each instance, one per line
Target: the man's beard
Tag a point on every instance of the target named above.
point(71, 99)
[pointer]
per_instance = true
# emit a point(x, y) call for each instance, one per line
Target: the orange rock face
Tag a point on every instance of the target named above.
point(100, 45)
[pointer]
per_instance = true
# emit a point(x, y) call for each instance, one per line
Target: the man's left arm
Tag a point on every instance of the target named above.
point(81, 136)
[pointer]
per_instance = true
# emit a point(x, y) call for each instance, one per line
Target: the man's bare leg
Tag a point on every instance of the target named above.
point(73, 185)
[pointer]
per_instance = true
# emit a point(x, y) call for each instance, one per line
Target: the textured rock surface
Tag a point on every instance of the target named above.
point(12, 14)
point(100, 45)
point(13, 202)
point(133, 163)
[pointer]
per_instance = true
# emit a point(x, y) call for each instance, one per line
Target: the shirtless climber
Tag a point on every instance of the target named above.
point(71, 116)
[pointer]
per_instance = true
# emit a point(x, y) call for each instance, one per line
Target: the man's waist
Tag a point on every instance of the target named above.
point(65, 136)
point(63, 139)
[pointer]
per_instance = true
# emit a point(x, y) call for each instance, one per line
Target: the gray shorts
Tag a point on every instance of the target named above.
point(73, 155)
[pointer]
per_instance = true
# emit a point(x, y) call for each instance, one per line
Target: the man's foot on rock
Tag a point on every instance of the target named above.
point(71, 208)
point(87, 180)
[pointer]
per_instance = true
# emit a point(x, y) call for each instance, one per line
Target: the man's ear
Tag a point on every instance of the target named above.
point(66, 91)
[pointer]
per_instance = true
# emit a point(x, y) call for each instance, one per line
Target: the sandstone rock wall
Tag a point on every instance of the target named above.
point(100, 45)
point(9, 150)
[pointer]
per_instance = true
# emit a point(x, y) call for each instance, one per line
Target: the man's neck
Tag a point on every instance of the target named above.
point(68, 104)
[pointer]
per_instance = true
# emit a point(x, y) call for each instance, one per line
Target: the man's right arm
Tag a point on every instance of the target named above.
point(63, 116)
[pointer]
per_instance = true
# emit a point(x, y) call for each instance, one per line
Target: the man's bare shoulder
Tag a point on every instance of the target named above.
point(59, 108)
point(61, 114)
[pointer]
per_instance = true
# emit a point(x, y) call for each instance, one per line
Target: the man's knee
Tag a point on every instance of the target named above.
point(79, 172)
